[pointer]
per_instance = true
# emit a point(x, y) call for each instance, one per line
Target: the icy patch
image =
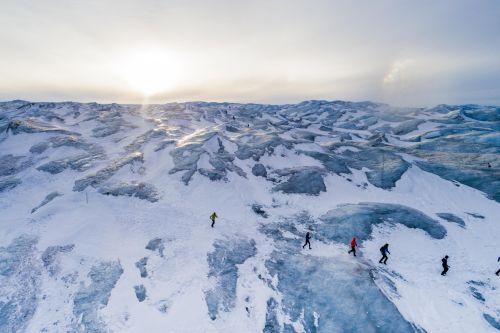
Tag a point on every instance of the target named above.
point(31, 125)
point(90, 299)
point(142, 139)
point(156, 244)
point(476, 294)
point(495, 323)
point(9, 183)
point(258, 145)
point(39, 148)
point(186, 159)
point(258, 209)
point(73, 141)
point(407, 126)
point(9, 165)
point(80, 163)
point(386, 168)
point(223, 268)
point(272, 325)
point(49, 257)
point(106, 173)
point(134, 189)
point(347, 220)
point(321, 294)
point(19, 284)
point(112, 122)
point(303, 180)
point(140, 292)
point(475, 215)
point(51, 196)
point(330, 161)
point(452, 218)
point(259, 170)
point(141, 265)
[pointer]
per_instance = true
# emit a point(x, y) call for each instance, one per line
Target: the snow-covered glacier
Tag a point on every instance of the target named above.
point(104, 213)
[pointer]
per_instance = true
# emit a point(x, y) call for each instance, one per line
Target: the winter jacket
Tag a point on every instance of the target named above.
point(385, 249)
point(445, 262)
point(353, 242)
point(213, 216)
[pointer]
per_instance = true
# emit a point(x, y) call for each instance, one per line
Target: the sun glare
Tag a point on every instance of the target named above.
point(149, 71)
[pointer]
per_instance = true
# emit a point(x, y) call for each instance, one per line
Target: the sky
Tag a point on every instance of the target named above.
point(408, 53)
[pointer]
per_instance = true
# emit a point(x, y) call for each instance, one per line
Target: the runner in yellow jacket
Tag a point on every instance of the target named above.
point(213, 217)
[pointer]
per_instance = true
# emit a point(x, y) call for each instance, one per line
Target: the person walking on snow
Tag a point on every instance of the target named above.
point(445, 265)
point(213, 217)
point(353, 246)
point(498, 272)
point(308, 238)
point(384, 250)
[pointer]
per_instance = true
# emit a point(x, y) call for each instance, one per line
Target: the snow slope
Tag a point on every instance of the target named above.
point(104, 217)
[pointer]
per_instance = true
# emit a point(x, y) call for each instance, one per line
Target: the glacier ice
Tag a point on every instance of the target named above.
point(104, 174)
point(141, 265)
point(32, 125)
point(92, 145)
point(332, 163)
point(386, 167)
point(259, 170)
point(492, 321)
point(302, 180)
point(20, 283)
point(324, 294)
point(407, 126)
point(140, 292)
point(257, 146)
point(49, 257)
point(81, 162)
point(156, 244)
point(349, 220)
point(9, 183)
point(222, 263)
point(9, 164)
point(39, 147)
point(91, 298)
point(48, 198)
point(259, 210)
point(145, 138)
point(272, 325)
point(134, 189)
point(452, 218)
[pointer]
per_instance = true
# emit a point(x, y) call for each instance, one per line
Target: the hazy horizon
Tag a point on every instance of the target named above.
point(402, 53)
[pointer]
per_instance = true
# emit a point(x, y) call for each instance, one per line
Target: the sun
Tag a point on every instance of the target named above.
point(149, 71)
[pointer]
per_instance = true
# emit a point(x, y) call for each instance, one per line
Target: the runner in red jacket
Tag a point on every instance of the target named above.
point(353, 246)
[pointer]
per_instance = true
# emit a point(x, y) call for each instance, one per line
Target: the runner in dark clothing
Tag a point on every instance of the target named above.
point(445, 265)
point(384, 250)
point(308, 237)
point(498, 272)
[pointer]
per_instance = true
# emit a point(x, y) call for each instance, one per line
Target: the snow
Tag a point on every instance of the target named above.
point(119, 238)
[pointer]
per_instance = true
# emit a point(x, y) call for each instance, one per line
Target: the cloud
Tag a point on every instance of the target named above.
point(416, 52)
point(399, 70)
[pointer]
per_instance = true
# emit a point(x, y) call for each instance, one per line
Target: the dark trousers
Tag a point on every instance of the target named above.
point(384, 258)
point(353, 250)
point(445, 269)
point(498, 272)
point(213, 222)
point(307, 243)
